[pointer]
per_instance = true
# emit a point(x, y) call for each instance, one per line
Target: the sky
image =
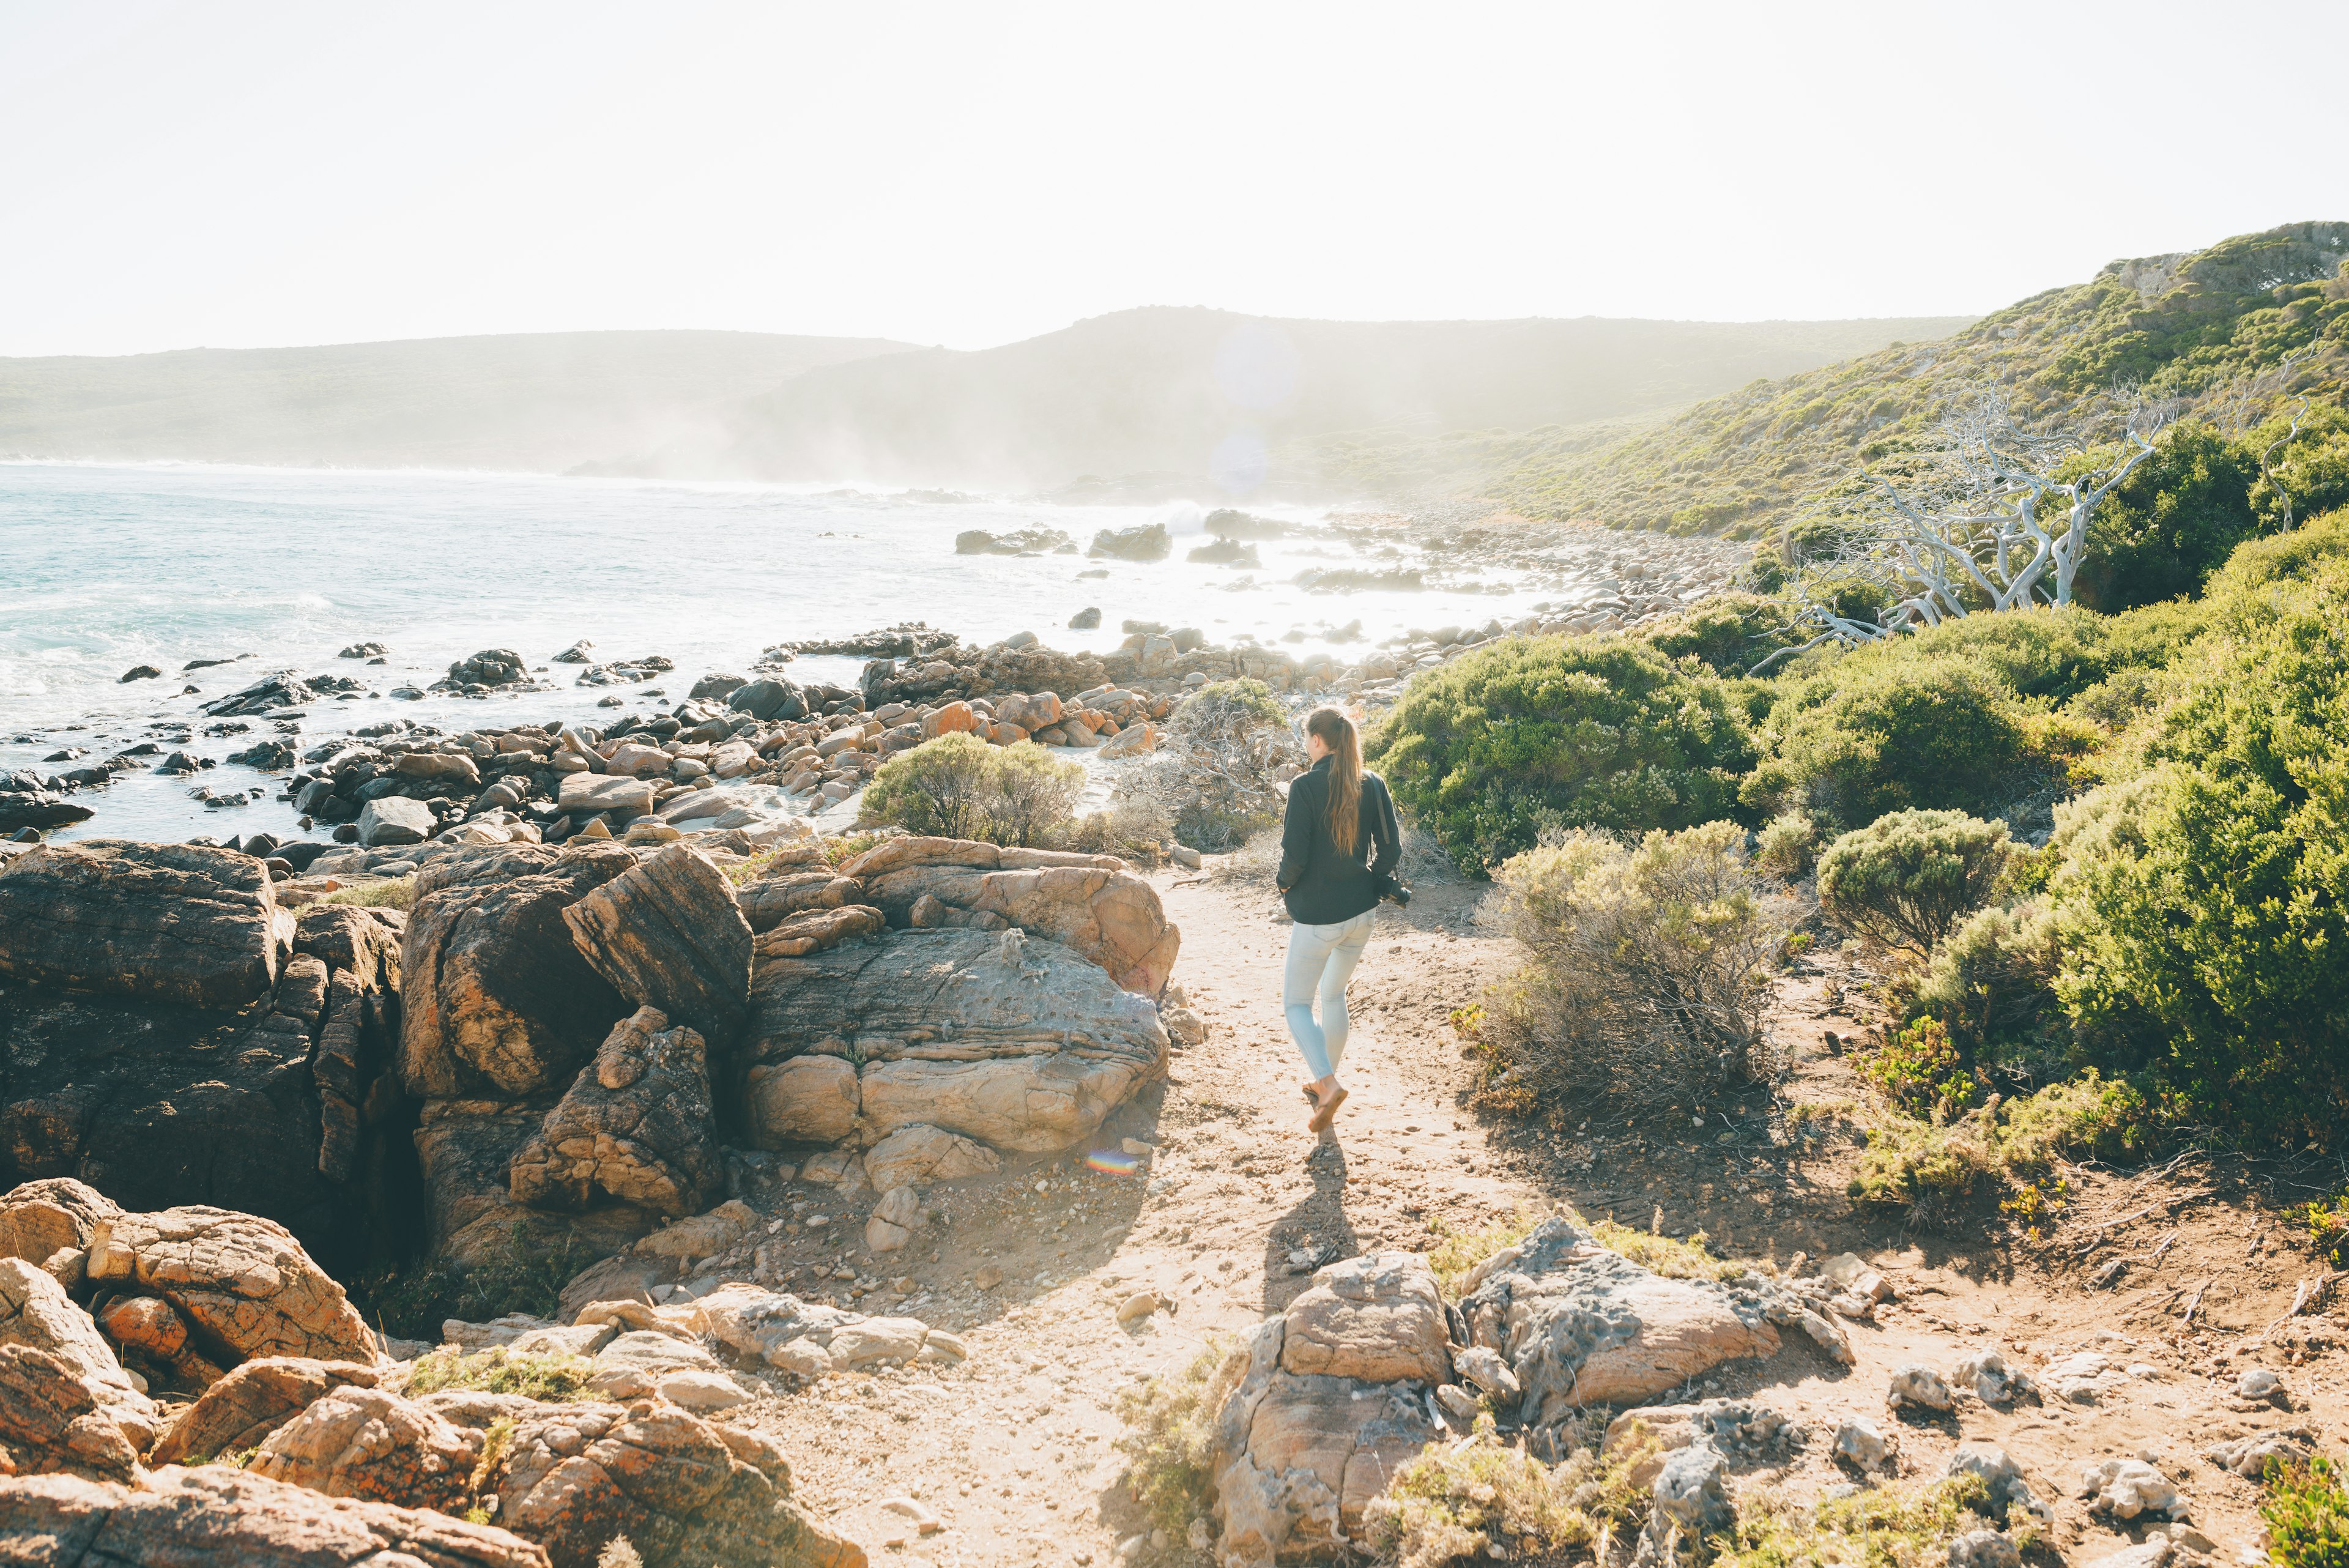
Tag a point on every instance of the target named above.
point(176, 175)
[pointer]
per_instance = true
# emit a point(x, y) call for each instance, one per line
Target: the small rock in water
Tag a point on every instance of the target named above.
point(1086, 619)
point(138, 672)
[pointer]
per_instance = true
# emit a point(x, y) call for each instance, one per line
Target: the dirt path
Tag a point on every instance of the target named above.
point(1010, 1453)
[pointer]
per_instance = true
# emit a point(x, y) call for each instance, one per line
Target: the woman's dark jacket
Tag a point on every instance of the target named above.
point(1321, 886)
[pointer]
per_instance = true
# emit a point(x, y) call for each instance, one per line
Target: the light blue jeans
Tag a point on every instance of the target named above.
point(1321, 959)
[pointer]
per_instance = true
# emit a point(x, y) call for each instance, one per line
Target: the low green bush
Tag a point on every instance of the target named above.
point(1529, 733)
point(386, 893)
point(1909, 1526)
point(1908, 878)
point(1478, 1496)
point(959, 786)
point(1729, 634)
point(2172, 523)
point(1921, 1073)
point(1929, 1167)
point(1882, 730)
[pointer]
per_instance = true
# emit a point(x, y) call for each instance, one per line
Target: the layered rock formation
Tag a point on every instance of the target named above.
point(168, 1033)
point(1092, 903)
point(1015, 1042)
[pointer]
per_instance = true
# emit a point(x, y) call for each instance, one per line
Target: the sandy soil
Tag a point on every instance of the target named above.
point(1011, 1451)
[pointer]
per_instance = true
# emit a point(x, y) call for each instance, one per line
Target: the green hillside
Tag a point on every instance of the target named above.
point(1740, 463)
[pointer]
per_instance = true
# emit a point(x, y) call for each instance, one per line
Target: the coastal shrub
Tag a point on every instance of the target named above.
point(1906, 880)
point(1530, 733)
point(2306, 1509)
point(1215, 776)
point(1647, 971)
point(1728, 633)
point(1480, 1496)
point(1029, 796)
point(1788, 846)
point(2206, 928)
point(1875, 734)
point(938, 788)
point(1168, 1443)
point(2172, 523)
point(959, 786)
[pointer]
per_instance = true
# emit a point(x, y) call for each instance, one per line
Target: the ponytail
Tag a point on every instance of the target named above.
point(1345, 742)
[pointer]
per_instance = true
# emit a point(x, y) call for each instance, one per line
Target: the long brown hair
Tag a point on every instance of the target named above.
point(1345, 743)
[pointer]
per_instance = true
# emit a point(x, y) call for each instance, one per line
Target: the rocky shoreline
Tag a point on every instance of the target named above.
point(747, 751)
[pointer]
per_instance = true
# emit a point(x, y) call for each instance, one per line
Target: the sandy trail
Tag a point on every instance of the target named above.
point(1012, 1451)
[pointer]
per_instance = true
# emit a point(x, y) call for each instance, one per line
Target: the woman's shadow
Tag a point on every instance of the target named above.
point(1313, 1233)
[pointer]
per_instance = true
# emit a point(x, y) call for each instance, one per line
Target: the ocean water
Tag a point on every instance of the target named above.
point(104, 567)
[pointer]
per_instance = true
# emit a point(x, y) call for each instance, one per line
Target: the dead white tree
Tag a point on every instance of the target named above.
point(1974, 520)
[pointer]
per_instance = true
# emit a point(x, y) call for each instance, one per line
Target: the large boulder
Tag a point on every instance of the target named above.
point(362, 1442)
point(914, 1155)
point(166, 922)
point(497, 1000)
point(52, 1421)
point(1014, 1042)
point(36, 1313)
point(669, 934)
point(213, 1513)
point(1091, 903)
point(635, 1127)
point(1300, 1454)
point(50, 1220)
point(1579, 1325)
point(251, 1401)
point(242, 1283)
point(1376, 1319)
point(684, 1492)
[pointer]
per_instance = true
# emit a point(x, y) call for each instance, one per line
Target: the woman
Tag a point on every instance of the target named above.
point(1338, 853)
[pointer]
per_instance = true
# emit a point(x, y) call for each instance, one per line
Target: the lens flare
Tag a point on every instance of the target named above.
point(1109, 1162)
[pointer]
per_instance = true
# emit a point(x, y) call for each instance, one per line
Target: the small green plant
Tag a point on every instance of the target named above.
point(1460, 1251)
point(1476, 1496)
point(1920, 1072)
point(1170, 1423)
point(2327, 1225)
point(2307, 1513)
point(494, 1443)
point(554, 1379)
point(1883, 1527)
point(1676, 1258)
point(386, 893)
